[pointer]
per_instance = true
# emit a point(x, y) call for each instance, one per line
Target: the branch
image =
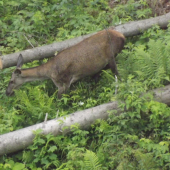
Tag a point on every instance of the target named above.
point(46, 51)
point(20, 139)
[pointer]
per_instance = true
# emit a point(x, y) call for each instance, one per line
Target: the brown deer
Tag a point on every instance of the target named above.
point(86, 58)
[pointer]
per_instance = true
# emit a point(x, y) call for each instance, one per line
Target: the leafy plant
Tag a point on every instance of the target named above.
point(148, 62)
point(138, 138)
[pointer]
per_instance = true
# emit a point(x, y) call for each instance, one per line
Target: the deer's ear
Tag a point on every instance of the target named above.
point(17, 72)
point(20, 61)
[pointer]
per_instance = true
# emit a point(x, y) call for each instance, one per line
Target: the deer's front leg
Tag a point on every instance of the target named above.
point(62, 87)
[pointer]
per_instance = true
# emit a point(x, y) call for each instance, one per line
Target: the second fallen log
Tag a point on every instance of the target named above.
point(20, 139)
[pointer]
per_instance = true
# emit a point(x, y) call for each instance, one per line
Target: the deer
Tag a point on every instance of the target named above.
point(87, 58)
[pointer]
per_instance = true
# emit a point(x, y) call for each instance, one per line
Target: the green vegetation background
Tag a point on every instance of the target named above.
point(138, 139)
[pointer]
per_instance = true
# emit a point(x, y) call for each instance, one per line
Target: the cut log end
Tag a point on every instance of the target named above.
point(1, 65)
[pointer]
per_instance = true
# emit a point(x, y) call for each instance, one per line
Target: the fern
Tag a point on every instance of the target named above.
point(126, 64)
point(91, 161)
point(153, 62)
point(138, 161)
point(145, 160)
point(34, 104)
point(150, 62)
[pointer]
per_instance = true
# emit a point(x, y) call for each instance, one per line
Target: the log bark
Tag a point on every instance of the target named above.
point(20, 139)
point(46, 51)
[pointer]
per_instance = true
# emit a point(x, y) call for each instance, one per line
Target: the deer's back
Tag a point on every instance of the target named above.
point(89, 56)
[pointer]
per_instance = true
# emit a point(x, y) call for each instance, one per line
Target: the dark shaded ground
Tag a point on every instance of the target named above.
point(159, 7)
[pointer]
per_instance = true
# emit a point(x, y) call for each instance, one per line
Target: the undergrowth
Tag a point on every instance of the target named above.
point(136, 139)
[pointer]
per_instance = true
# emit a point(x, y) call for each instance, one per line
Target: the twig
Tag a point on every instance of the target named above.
point(57, 114)
point(46, 116)
point(28, 41)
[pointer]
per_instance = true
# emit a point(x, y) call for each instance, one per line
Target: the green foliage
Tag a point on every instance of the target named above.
point(45, 149)
point(36, 103)
point(11, 165)
point(132, 10)
point(41, 152)
point(91, 161)
point(124, 141)
point(149, 61)
point(27, 19)
point(136, 139)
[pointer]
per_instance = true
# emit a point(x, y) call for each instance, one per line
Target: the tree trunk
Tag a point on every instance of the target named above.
point(20, 139)
point(128, 29)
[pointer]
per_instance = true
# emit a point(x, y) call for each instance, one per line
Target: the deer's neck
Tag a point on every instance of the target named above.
point(35, 73)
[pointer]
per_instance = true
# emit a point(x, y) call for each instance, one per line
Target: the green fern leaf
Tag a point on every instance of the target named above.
point(91, 161)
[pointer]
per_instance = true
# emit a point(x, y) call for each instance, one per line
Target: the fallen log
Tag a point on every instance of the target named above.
point(46, 51)
point(20, 139)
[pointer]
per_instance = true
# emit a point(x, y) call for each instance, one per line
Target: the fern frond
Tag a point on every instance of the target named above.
point(91, 161)
point(145, 160)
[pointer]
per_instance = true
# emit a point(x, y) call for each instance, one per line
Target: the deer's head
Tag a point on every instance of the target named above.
point(16, 80)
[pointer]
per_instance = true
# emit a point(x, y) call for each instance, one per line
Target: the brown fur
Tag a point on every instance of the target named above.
point(84, 59)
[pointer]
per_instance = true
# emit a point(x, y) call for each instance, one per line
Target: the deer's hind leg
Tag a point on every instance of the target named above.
point(112, 65)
